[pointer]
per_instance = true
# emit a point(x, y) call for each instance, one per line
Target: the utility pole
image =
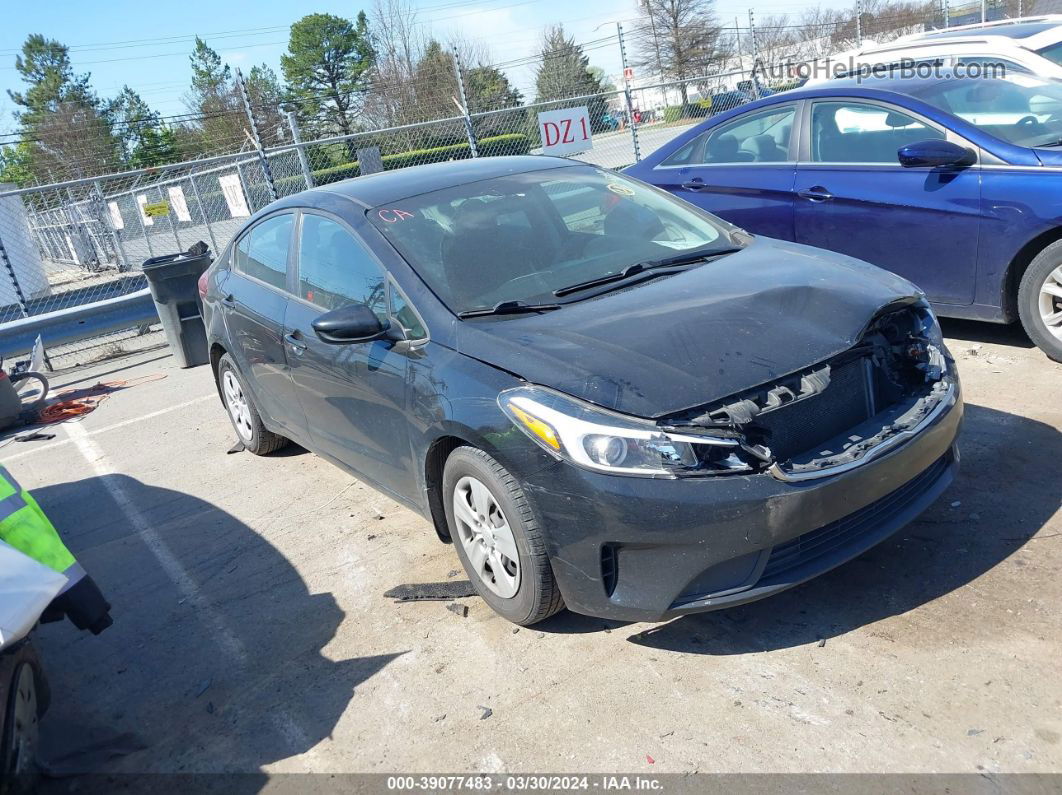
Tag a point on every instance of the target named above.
point(463, 104)
point(255, 138)
point(627, 94)
point(947, 14)
point(859, 23)
point(984, 11)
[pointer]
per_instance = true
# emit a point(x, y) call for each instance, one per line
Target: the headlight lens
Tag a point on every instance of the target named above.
point(604, 441)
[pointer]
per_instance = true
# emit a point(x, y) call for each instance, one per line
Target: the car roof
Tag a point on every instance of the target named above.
point(913, 85)
point(372, 190)
point(1015, 30)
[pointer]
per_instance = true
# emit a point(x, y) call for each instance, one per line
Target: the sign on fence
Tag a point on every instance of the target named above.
point(145, 216)
point(369, 160)
point(180, 206)
point(565, 131)
point(116, 215)
point(157, 209)
point(233, 191)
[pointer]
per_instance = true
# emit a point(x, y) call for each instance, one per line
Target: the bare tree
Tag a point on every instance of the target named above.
point(679, 39)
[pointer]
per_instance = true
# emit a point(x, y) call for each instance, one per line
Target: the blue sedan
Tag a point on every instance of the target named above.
point(955, 184)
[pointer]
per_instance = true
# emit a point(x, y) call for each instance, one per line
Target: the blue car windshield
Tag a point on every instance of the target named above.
point(1018, 108)
point(520, 237)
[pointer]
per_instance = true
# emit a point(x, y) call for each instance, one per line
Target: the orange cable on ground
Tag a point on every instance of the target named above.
point(79, 402)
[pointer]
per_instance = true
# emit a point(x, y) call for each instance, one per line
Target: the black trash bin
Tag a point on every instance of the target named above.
point(173, 280)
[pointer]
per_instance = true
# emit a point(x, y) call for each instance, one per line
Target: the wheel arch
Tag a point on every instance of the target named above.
point(216, 352)
point(1017, 267)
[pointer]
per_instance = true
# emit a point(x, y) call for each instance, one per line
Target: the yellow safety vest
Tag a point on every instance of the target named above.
point(24, 526)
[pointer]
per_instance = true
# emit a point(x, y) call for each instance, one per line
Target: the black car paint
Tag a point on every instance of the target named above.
point(389, 412)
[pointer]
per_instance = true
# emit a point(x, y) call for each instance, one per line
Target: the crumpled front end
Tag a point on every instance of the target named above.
point(840, 413)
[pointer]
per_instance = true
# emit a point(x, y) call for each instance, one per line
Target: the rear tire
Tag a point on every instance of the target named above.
point(1040, 301)
point(21, 731)
point(243, 415)
point(524, 590)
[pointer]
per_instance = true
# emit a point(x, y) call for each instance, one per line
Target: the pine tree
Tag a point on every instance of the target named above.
point(65, 127)
point(565, 72)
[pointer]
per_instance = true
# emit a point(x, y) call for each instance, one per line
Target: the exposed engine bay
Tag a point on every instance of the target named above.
point(836, 412)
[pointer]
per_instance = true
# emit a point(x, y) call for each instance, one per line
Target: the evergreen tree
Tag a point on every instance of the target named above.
point(565, 72)
point(215, 99)
point(66, 130)
point(326, 67)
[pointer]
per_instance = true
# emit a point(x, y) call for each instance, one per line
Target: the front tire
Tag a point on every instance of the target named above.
point(498, 538)
point(1040, 301)
point(243, 415)
point(18, 746)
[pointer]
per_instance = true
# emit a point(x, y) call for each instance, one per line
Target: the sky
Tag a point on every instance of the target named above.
point(146, 44)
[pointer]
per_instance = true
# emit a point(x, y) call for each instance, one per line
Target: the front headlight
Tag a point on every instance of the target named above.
point(604, 441)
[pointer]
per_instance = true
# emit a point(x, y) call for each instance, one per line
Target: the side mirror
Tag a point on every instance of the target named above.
point(936, 153)
point(354, 323)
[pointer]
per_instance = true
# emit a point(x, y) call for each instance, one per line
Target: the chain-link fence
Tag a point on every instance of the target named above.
point(84, 241)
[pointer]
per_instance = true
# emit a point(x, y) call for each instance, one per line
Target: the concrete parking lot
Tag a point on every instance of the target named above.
point(251, 632)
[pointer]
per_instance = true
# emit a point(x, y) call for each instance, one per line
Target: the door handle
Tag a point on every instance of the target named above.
point(694, 184)
point(294, 340)
point(229, 301)
point(816, 194)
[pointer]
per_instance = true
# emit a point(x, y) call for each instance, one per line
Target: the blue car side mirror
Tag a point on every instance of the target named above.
point(936, 153)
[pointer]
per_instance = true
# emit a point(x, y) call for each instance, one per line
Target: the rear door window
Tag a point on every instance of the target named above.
point(761, 137)
point(262, 253)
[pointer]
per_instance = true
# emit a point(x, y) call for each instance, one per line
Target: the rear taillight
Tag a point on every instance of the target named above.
point(202, 285)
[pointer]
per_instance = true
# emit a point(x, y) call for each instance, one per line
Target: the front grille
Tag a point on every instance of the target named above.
point(817, 543)
point(799, 427)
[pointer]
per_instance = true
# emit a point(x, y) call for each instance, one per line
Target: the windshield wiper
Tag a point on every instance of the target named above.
point(508, 308)
point(685, 258)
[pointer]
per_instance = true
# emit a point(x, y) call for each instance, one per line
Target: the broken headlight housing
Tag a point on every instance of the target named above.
point(605, 441)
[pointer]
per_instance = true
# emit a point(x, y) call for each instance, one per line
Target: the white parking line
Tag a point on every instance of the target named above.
point(106, 428)
point(230, 644)
point(97, 460)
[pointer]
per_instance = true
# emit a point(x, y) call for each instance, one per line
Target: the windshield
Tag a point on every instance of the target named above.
point(522, 236)
point(1020, 109)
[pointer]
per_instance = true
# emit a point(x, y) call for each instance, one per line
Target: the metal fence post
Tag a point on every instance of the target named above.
point(627, 95)
point(255, 137)
point(116, 236)
point(470, 131)
point(202, 212)
point(19, 295)
point(301, 149)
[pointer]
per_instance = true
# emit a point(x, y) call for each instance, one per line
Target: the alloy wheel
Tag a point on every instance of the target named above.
point(1050, 302)
point(236, 402)
point(486, 537)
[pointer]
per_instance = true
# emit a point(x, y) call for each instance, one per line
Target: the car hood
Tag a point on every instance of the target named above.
point(683, 341)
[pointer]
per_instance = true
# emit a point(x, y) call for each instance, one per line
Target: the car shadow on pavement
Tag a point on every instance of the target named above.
point(1009, 486)
point(975, 331)
point(216, 660)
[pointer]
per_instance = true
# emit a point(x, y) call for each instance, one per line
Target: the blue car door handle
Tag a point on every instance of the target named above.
point(816, 194)
point(694, 184)
point(294, 339)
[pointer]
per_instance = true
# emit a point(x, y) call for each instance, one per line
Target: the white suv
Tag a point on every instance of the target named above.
point(1031, 45)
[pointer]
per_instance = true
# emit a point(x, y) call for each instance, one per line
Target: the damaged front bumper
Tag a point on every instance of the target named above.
point(646, 550)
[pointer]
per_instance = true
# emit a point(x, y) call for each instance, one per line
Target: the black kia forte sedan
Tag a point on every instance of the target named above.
point(605, 397)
